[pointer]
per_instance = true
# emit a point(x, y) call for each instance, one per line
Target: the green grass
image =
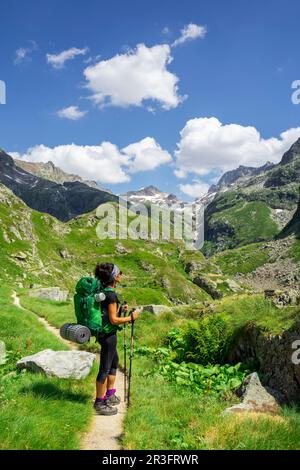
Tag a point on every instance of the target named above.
point(37, 412)
point(242, 309)
point(56, 313)
point(251, 221)
point(153, 270)
point(171, 417)
point(242, 260)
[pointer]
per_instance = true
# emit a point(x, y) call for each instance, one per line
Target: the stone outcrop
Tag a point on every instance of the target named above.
point(274, 356)
point(61, 364)
point(283, 299)
point(255, 398)
point(208, 286)
point(50, 293)
point(156, 309)
point(64, 253)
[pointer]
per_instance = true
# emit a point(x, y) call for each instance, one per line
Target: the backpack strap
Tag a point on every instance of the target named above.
point(108, 289)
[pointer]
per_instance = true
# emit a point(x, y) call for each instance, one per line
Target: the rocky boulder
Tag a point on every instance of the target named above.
point(62, 364)
point(64, 253)
point(255, 398)
point(50, 293)
point(121, 250)
point(208, 286)
point(282, 299)
point(156, 309)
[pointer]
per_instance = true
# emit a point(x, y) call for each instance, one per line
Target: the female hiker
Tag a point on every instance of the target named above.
point(109, 275)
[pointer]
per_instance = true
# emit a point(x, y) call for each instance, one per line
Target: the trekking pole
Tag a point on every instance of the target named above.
point(125, 354)
point(125, 361)
point(130, 365)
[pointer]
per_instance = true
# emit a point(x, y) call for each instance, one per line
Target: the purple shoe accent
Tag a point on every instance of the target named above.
point(111, 392)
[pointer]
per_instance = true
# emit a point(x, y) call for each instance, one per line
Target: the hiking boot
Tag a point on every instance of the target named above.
point(113, 400)
point(104, 408)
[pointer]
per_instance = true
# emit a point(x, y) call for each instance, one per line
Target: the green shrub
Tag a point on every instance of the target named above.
point(204, 342)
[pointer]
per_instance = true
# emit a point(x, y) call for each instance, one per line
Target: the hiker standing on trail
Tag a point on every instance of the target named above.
point(109, 275)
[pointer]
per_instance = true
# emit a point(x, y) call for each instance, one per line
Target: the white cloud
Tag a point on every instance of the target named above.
point(146, 155)
point(105, 163)
point(58, 60)
point(190, 32)
point(195, 189)
point(131, 78)
point(24, 53)
point(207, 145)
point(72, 112)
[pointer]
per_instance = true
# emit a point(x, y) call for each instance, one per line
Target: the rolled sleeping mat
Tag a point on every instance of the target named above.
point(75, 333)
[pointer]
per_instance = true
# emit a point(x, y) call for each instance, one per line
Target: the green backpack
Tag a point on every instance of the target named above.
point(88, 312)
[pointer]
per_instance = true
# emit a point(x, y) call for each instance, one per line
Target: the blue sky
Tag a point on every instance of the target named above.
point(237, 78)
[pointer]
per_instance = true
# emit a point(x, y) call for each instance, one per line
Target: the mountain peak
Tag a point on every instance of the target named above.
point(151, 194)
point(292, 153)
point(232, 176)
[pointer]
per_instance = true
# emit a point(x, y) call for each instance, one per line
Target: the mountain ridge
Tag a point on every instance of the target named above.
point(53, 173)
point(63, 201)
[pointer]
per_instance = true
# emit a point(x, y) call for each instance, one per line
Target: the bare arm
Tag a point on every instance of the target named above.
point(113, 316)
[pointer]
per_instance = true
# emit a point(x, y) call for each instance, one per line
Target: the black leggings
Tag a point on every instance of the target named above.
point(109, 360)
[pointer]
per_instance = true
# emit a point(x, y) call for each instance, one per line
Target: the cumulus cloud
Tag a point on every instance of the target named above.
point(195, 189)
point(146, 155)
point(72, 112)
point(23, 54)
point(189, 33)
point(58, 60)
point(131, 78)
point(207, 145)
point(105, 163)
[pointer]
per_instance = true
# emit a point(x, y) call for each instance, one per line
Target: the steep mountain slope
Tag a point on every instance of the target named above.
point(63, 201)
point(51, 172)
point(36, 248)
point(255, 208)
point(238, 175)
point(293, 227)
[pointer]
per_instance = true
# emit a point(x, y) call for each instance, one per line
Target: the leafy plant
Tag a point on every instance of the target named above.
point(202, 342)
point(210, 379)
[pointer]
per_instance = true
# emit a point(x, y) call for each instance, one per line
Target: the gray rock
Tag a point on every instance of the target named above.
point(64, 254)
point(208, 286)
point(156, 309)
point(5, 237)
point(16, 232)
point(121, 250)
point(61, 364)
point(50, 293)
point(2, 353)
point(233, 285)
point(255, 398)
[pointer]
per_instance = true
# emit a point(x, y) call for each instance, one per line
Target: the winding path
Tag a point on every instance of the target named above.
point(105, 431)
